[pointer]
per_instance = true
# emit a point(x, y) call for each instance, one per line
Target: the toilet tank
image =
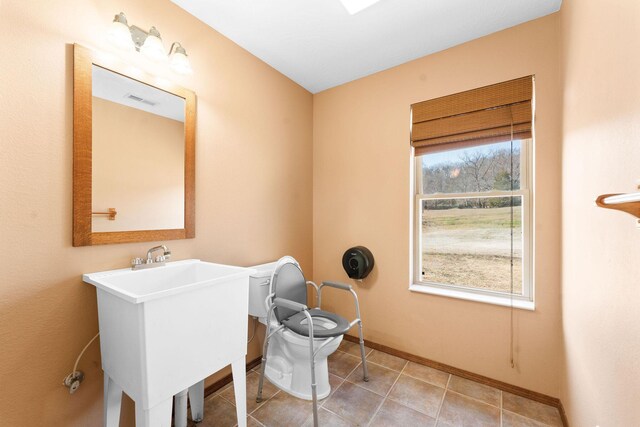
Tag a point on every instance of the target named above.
point(259, 288)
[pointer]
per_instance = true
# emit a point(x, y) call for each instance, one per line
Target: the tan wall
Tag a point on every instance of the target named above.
point(601, 154)
point(361, 160)
point(138, 168)
point(253, 189)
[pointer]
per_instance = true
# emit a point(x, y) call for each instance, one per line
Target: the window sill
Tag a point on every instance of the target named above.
point(472, 296)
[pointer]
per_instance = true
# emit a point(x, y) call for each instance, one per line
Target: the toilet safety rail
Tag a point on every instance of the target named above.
point(298, 307)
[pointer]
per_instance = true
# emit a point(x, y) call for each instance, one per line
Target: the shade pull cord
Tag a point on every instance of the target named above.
point(511, 343)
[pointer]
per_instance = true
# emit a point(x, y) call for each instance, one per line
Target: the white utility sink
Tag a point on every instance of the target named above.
point(164, 329)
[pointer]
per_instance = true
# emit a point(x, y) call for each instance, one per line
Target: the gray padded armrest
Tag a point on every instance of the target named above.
point(291, 305)
point(342, 286)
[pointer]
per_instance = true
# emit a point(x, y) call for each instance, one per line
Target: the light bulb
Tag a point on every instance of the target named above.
point(153, 47)
point(179, 60)
point(119, 33)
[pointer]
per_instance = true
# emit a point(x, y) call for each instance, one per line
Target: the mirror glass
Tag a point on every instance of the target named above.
point(138, 155)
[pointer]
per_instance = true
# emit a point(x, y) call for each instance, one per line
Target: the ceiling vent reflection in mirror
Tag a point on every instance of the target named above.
point(149, 43)
point(139, 99)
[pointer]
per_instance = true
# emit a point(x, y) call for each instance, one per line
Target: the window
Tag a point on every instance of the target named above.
point(472, 201)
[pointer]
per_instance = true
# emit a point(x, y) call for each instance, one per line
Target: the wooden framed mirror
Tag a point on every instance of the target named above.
point(133, 155)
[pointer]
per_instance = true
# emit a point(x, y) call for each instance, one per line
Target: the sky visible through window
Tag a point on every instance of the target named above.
point(453, 156)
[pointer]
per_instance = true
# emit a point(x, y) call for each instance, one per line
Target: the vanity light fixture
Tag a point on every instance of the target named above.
point(119, 33)
point(149, 43)
point(178, 59)
point(152, 47)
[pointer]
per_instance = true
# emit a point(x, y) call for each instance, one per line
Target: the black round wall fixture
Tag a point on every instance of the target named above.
point(357, 262)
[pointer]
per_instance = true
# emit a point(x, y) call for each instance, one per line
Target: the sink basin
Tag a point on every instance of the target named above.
point(165, 329)
point(137, 286)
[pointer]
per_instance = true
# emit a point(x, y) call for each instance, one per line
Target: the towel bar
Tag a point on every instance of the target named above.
point(112, 214)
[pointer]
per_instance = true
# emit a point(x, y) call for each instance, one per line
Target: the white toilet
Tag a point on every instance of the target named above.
point(288, 356)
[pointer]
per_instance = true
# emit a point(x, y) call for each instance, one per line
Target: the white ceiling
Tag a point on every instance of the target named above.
point(319, 45)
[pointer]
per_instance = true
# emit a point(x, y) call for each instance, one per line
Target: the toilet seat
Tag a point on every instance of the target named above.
point(322, 329)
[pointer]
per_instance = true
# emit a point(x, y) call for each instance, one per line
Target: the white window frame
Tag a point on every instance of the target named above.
point(525, 301)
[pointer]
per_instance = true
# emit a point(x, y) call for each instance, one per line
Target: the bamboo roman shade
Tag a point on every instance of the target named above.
point(476, 116)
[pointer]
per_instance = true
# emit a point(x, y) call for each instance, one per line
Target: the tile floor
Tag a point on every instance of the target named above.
point(399, 393)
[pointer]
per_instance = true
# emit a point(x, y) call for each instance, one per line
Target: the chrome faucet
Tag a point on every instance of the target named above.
point(160, 258)
point(138, 263)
